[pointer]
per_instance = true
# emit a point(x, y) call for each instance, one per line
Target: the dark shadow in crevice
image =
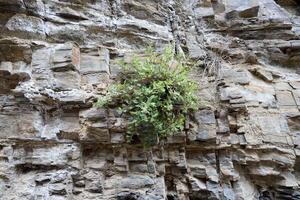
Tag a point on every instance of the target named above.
point(27, 167)
point(291, 6)
point(128, 196)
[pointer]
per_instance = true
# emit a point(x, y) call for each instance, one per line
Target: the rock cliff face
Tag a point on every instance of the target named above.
point(58, 56)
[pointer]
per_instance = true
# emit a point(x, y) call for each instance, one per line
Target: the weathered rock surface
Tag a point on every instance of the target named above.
point(58, 56)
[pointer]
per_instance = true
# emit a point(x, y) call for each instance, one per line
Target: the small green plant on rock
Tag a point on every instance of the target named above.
point(155, 94)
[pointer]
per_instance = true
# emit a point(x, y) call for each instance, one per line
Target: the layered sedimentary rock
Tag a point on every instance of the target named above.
point(58, 56)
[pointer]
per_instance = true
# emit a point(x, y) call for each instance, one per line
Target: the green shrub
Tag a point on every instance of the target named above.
point(154, 92)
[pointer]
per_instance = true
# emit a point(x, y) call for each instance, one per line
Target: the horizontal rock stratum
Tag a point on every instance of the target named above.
point(58, 56)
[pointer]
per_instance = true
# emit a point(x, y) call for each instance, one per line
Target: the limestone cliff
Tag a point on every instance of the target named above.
point(58, 56)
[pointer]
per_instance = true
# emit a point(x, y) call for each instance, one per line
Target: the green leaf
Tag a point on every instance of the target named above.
point(155, 92)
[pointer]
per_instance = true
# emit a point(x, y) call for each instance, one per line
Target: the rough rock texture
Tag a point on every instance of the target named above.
point(58, 56)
